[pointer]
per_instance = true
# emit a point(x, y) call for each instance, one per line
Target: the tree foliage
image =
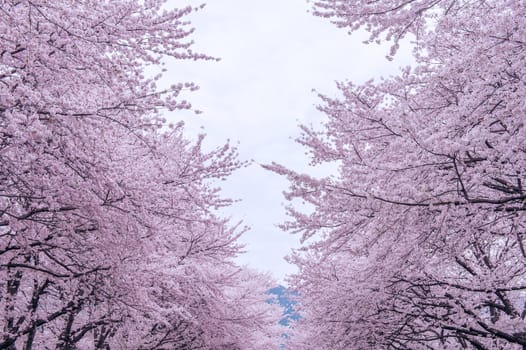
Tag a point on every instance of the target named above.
point(419, 243)
point(108, 232)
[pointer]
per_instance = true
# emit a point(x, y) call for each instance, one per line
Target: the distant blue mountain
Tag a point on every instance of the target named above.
point(286, 299)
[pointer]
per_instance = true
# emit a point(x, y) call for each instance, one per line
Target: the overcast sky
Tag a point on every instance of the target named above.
point(273, 54)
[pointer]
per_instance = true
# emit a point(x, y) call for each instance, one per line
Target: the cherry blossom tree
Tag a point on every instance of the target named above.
point(109, 233)
point(418, 242)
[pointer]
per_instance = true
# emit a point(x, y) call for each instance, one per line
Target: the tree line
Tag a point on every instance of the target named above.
point(110, 236)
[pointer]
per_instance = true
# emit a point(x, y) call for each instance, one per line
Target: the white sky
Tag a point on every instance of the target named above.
point(273, 53)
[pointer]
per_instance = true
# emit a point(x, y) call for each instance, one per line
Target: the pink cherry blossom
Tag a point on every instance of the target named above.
point(109, 233)
point(418, 243)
